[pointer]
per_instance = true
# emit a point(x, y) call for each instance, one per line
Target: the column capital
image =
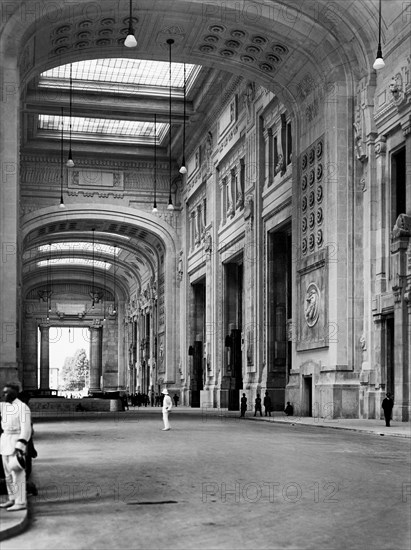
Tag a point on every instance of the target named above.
point(380, 146)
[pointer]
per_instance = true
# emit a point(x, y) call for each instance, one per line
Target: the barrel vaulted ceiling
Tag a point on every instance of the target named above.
point(275, 44)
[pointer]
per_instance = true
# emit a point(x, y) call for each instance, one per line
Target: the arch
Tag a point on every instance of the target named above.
point(310, 32)
point(135, 218)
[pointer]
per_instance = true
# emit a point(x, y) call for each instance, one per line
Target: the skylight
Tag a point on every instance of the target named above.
point(81, 246)
point(75, 261)
point(138, 72)
point(106, 126)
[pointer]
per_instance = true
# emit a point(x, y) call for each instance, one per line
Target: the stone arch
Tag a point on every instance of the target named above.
point(320, 34)
point(135, 218)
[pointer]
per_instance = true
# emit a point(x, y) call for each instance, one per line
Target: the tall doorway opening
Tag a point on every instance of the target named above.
point(308, 395)
point(68, 360)
point(389, 358)
point(198, 334)
point(279, 293)
point(234, 327)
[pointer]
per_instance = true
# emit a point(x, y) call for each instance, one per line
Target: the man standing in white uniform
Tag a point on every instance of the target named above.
point(167, 406)
point(16, 425)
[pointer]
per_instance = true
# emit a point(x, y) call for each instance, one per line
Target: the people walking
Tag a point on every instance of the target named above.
point(16, 426)
point(267, 404)
point(243, 405)
point(257, 405)
point(167, 406)
point(387, 405)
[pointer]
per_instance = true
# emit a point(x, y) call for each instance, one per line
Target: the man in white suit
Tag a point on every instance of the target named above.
point(167, 406)
point(16, 425)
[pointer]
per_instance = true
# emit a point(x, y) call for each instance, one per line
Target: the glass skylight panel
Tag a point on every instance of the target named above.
point(106, 126)
point(124, 71)
point(75, 261)
point(81, 246)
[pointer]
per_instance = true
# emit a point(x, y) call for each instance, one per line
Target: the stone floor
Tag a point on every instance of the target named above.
point(216, 481)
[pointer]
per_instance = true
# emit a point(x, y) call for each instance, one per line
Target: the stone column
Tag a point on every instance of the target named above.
point(407, 381)
point(9, 199)
point(44, 357)
point(379, 227)
point(95, 359)
point(400, 244)
point(151, 361)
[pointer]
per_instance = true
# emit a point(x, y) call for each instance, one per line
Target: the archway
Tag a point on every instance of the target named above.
point(139, 276)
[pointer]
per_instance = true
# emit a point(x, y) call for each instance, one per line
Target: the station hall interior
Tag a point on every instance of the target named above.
point(218, 194)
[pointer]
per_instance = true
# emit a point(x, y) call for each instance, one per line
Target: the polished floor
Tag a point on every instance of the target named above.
point(215, 482)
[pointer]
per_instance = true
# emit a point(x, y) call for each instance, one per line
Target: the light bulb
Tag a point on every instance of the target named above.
point(70, 162)
point(154, 211)
point(183, 170)
point(130, 40)
point(62, 205)
point(170, 206)
point(378, 64)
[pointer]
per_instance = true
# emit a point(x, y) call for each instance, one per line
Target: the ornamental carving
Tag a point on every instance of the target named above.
point(312, 305)
point(312, 179)
point(402, 227)
point(208, 243)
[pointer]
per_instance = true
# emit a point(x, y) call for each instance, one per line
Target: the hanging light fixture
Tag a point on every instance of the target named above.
point(62, 205)
point(70, 162)
point(155, 166)
point(130, 40)
point(92, 271)
point(183, 169)
point(114, 279)
point(379, 61)
point(170, 206)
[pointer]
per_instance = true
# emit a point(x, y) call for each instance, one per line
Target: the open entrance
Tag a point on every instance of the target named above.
point(233, 339)
point(198, 323)
point(64, 360)
point(308, 395)
point(389, 358)
point(279, 289)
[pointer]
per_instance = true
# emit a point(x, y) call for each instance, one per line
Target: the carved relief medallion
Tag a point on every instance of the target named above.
point(312, 304)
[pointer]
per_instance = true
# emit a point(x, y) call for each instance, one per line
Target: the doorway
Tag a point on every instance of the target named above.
point(308, 395)
point(389, 359)
point(69, 360)
point(198, 335)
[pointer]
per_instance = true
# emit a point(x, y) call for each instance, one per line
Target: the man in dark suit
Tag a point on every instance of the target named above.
point(387, 404)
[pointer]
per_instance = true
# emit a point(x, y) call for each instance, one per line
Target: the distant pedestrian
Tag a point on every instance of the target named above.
point(176, 399)
point(267, 404)
point(387, 404)
point(257, 405)
point(289, 410)
point(167, 406)
point(243, 405)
